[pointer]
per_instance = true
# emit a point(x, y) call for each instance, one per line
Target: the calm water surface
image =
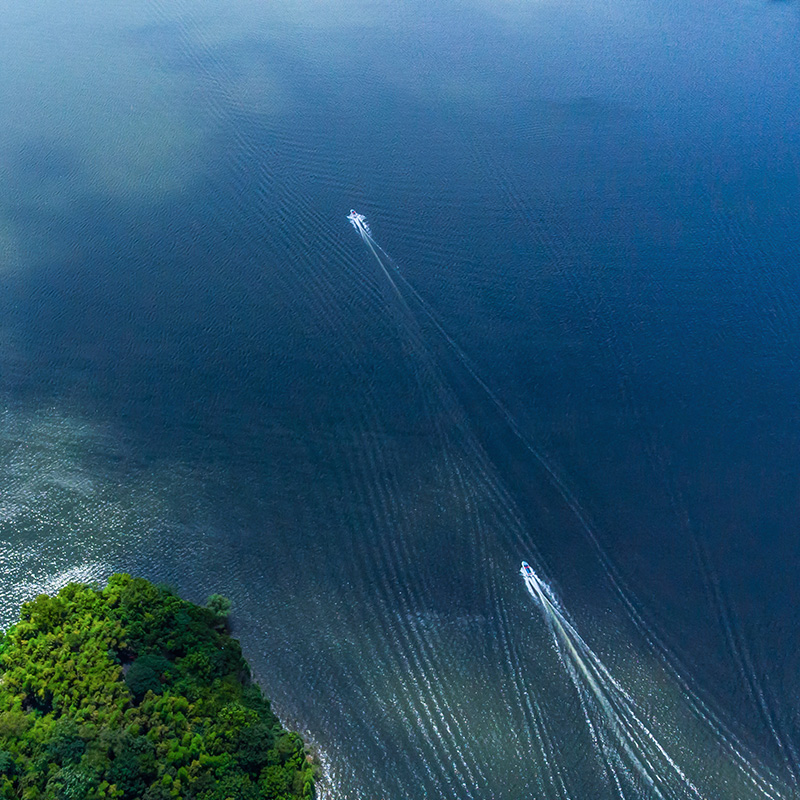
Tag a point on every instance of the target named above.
point(582, 353)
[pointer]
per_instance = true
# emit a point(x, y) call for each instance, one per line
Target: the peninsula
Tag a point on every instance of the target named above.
point(131, 692)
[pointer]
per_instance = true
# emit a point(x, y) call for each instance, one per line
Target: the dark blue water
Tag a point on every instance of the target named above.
point(581, 350)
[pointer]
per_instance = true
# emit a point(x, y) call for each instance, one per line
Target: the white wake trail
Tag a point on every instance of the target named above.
point(628, 746)
point(645, 753)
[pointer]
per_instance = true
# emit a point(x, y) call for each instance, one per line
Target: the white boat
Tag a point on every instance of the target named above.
point(358, 221)
point(527, 572)
point(537, 587)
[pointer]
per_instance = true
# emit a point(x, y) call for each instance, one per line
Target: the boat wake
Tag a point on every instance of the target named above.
point(359, 222)
point(630, 751)
point(640, 753)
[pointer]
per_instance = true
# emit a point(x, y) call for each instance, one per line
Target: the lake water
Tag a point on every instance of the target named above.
point(578, 347)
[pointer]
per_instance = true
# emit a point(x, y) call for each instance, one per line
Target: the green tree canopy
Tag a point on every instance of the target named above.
point(132, 692)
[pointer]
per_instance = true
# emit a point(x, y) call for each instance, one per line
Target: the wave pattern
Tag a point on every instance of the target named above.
point(360, 489)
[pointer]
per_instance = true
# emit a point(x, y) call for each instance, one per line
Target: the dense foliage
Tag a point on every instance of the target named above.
point(131, 692)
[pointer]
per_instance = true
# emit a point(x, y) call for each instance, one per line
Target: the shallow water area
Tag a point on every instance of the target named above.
point(571, 339)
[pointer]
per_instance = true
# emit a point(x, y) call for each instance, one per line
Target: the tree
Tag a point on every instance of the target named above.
point(130, 692)
point(219, 606)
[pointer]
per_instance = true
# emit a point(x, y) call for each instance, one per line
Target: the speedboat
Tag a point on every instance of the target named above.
point(536, 586)
point(355, 218)
point(358, 221)
point(526, 571)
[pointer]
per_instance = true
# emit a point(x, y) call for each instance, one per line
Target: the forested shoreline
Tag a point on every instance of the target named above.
point(131, 692)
